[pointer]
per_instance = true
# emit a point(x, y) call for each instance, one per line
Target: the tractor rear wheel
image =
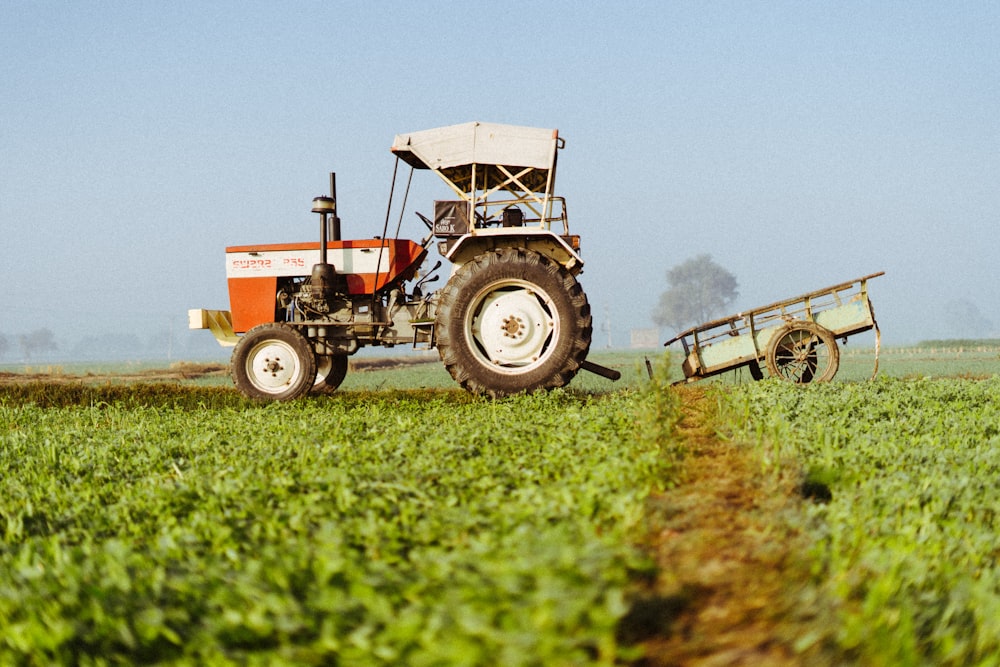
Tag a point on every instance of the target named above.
point(511, 321)
point(273, 362)
point(330, 372)
point(803, 352)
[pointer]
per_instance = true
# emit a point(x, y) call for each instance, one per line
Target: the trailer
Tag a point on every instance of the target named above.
point(795, 339)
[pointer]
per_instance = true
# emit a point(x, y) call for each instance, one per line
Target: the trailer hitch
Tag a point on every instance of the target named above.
point(603, 371)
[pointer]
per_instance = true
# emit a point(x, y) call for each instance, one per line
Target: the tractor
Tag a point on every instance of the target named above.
point(511, 318)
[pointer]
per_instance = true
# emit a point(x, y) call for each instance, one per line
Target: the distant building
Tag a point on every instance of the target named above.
point(645, 338)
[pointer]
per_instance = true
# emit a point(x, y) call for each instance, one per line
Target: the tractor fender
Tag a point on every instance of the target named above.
point(561, 249)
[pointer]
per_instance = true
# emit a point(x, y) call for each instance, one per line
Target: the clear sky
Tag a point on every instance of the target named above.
point(799, 143)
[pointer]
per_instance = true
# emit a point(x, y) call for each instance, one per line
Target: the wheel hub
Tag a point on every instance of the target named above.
point(513, 326)
point(272, 366)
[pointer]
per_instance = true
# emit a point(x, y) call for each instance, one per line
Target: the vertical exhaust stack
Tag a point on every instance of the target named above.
point(329, 221)
point(335, 220)
point(323, 280)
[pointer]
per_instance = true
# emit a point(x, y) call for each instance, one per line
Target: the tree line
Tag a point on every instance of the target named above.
point(35, 342)
point(697, 290)
point(108, 346)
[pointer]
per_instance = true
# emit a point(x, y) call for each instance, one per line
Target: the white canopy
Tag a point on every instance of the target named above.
point(490, 166)
point(478, 143)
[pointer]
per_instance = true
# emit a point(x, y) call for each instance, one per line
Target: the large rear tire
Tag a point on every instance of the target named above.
point(512, 321)
point(273, 362)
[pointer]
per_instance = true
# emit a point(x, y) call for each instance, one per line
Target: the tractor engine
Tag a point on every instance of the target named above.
point(323, 294)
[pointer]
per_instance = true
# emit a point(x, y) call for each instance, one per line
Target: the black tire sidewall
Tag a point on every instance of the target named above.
point(473, 280)
point(299, 345)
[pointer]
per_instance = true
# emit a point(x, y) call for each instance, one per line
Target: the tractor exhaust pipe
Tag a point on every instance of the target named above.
point(329, 221)
point(335, 222)
point(324, 281)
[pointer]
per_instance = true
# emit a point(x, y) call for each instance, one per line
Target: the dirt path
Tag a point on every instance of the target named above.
point(175, 372)
point(733, 580)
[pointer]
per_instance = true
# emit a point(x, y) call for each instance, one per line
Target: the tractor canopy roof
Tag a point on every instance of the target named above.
point(524, 157)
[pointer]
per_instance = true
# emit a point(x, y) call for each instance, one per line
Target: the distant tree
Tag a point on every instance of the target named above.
point(39, 340)
point(964, 320)
point(110, 346)
point(698, 290)
point(160, 344)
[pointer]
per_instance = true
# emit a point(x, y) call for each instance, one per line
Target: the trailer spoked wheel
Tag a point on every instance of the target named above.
point(803, 352)
point(512, 320)
point(330, 372)
point(273, 362)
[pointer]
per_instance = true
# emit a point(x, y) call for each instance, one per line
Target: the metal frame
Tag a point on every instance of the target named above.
point(477, 161)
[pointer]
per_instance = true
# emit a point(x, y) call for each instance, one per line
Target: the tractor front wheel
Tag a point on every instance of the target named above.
point(273, 362)
point(511, 321)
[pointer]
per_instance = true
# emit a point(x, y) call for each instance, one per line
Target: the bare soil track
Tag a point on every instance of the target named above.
point(733, 584)
point(177, 371)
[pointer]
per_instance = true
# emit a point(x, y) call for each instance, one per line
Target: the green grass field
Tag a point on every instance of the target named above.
point(185, 524)
point(402, 521)
point(907, 509)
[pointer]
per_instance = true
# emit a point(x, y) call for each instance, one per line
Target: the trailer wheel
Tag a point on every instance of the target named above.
point(511, 321)
point(330, 372)
point(273, 362)
point(803, 352)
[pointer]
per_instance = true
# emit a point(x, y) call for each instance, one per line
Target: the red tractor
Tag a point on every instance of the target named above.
point(511, 318)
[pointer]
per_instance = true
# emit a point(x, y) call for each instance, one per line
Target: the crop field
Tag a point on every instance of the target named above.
point(183, 524)
point(402, 521)
point(905, 523)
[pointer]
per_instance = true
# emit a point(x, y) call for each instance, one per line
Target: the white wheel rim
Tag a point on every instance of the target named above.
point(273, 366)
point(513, 325)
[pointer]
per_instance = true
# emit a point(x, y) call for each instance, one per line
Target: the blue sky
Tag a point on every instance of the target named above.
point(800, 144)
